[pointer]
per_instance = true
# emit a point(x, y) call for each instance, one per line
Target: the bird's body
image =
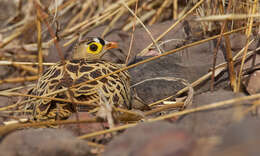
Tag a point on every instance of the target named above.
point(72, 77)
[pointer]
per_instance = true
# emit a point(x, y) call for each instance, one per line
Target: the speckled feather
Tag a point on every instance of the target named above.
point(116, 87)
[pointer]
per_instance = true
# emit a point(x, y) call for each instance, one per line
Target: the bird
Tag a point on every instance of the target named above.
point(72, 75)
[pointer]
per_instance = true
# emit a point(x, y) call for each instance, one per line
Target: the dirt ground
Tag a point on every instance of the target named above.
point(216, 114)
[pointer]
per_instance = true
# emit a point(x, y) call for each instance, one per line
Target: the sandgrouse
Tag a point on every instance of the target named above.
point(72, 76)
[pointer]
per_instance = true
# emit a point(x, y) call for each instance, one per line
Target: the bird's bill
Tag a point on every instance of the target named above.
point(111, 45)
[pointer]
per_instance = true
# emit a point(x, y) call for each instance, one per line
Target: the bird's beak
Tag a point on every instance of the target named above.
point(111, 45)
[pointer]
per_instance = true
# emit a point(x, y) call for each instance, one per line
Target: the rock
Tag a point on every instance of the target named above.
point(241, 139)
point(86, 128)
point(190, 65)
point(7, 10)
point(238, 41)
point(152, 139)
point(253, 86)
point(212, 122)
point(42, 142)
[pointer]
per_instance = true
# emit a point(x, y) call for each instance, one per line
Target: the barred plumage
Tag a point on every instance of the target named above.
point(115, 88)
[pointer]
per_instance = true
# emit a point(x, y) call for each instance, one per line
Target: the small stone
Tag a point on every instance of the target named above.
point(253, 86)
point(242, 139)
point(152, 139)
point(214, 121)
point(42, 142)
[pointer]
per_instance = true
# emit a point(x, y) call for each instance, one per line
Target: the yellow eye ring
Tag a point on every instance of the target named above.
point(94, 48)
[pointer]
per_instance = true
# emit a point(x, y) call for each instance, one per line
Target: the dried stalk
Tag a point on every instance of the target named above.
point(248, 33)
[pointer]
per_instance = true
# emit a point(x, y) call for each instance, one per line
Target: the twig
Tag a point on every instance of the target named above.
point(149, 33)
point(207, 107)
point(39, 43)
point(19, 79)
point(248, 33)
point(26, 68)
point(144, 17)
point(175, 9)
point(152, 58)
point(175, 114)
point(172, 26)
point(218, 70)
point(88, 103)
point(107, 108)
point(41, 12)
point(107, 131)
point(224, 17)
point(159, 11)
point(164, 107)
point(12, 127)
point(156, 57)
point(132, 34)
point(24, 63)
point(112, 23)
point(232, 76)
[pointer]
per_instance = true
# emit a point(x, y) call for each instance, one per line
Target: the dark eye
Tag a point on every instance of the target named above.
point(93, 47)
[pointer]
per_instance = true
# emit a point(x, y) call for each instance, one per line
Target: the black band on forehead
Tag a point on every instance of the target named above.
point(101, 41)
point(90, 42)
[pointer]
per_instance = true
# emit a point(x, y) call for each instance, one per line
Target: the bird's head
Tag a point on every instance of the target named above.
point(92, 48)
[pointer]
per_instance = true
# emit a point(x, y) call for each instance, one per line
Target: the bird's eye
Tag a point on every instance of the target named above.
point(93, 47)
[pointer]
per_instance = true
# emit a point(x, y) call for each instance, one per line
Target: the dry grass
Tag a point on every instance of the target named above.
point(78, 17)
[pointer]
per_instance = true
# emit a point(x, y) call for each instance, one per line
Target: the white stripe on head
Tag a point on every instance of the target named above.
point(96, 40)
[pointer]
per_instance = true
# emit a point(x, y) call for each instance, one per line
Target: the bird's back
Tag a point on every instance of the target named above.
point(74, 74)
